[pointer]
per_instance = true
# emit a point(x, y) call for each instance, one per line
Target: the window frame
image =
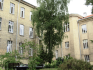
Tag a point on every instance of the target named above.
point(2, 5)
point(9, 42)
point(84, 28)
point(12, 8)
point(56, 54)
point(11, 24)
point(0, 23)
point(31, 31)
point(67, 44)
point(21, 29)
point(20, 48)
point(30, 51)
point(66, 27)
point(86, 58)
point(85, 43)
point(30, 15)
point(22, 14)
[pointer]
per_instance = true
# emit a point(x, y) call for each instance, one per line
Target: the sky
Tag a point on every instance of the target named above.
point(74, 7)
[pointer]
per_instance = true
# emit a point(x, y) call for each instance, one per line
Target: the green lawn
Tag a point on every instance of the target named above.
point(49, 69)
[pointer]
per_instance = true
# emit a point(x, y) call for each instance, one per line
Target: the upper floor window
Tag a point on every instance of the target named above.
point(21, 29)
point(30, 15)
point(87, 58)
point(56, 54)
point(20, 48)
point(12, 7)
point(1, 4)
point(22, 12)
point(66, 44)
point(10, 26)
point(66, 27)
point(84, 29)
point(30, 51)
point(0, 22)
point(85, 44)
point(31, 32)
point(9, 46)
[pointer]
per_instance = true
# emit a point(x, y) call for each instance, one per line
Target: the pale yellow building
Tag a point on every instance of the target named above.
point(15, 25)
point(77, 43)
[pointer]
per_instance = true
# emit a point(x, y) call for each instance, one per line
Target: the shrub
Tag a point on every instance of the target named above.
point(73, 64)
point(59, 61)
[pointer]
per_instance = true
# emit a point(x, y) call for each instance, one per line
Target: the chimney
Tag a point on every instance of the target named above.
point(84, 14)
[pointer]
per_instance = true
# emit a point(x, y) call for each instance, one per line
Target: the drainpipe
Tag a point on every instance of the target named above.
point(17, 26)
point(79, 39)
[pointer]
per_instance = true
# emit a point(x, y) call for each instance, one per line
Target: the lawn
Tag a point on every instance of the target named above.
point(49, 69)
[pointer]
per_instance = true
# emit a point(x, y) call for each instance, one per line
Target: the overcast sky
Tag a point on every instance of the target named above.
point(75, 7)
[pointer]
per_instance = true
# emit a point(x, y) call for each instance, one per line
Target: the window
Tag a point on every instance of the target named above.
point(66, 44)
point(30, 15)
point(31, 32)
point(86, 58)
point(66, 27)
point(0, 22)
point(56, 54)
point(85, 44)
point(10, 26)
point(21, 29)
point(1, 4)
point(9, 46)
point(12, 7)
point(22, 12)
point(20, 48)
point(30, 51)
point(84, 29)
point(67, 56)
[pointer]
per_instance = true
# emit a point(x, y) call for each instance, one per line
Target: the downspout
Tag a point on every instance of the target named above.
point(79, 39)
point(17, 26)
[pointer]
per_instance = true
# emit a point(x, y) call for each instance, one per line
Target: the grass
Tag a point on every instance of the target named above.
point(49, 69)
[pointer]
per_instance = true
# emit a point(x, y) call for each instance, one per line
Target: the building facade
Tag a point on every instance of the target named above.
point(15, 25)
point(78, 33)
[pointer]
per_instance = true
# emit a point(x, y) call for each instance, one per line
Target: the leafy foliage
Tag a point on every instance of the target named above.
point(73, 64)
point(89, 2)
point(9, 58)
point(48, 19)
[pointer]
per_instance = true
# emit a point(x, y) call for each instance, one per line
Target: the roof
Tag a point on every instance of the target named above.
point(26, 3)
point(75, 15)
point(88, 16)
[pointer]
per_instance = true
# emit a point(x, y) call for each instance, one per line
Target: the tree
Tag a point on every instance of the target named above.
point(89, 2)
point(48, 19)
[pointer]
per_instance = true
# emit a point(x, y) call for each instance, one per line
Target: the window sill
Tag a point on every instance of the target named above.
point(10, 33)
point(67, 47)
point(11, 13)
point(1, 9)
point(31, 38)
point(85, 48)
point(22, 35)
point(66, 31)
point(22, 17)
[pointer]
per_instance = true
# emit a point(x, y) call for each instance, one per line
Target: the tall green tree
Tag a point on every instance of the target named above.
point(48, 19)
point(89, 2)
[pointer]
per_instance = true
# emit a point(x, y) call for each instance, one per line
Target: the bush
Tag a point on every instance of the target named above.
point(59, 61)
point(73, 64)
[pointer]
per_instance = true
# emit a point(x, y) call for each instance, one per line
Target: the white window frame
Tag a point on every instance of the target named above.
point(0, 22)
point(1, 1)
point(66, 44)
point(30, 51)
point(31, 32)
point(20, 48)
point(84, 28)
point(22, 12)
point(12, 8)
point(56, 54)
point(66, 27)
point(85, 43)
point(30, 15)
point(9, 46)
point(21, 29)
point(10, 26)
point(86, 58)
